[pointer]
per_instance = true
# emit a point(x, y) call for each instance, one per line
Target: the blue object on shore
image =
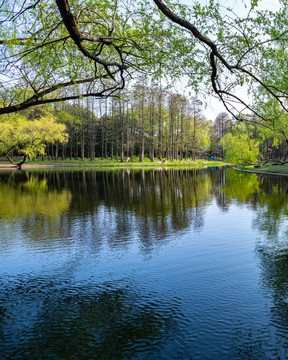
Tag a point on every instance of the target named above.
point(212, 158)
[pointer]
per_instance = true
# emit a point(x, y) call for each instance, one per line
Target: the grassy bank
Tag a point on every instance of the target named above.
point(273, 169)
point(37, 163)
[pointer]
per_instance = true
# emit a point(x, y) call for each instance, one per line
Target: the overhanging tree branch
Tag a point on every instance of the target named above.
point(39, 97)
point(215, 55)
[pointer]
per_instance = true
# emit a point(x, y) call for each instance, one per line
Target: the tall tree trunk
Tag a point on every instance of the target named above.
point(171, 131)
point(181, 130)
point(127, 131)
point(116, 122)
point(71, 142)
point(77, 146)
point(105, 130)
point(121, 114)
point(56, 150)
point(102, 131)
point(112, 131)
point(132, 132)
point(82, 135)
point(160, 126)
point(152, 129)
point(142, 130)
point(194, 133)
point(93, 136)
point(83, 143)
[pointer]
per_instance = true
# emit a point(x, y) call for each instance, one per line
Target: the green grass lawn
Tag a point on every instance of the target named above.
point(117, 163)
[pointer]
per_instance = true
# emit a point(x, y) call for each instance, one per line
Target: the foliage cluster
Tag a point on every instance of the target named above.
point(240, 149)
point(27, 137)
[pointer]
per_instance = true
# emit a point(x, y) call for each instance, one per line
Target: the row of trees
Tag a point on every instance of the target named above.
point(146, 121)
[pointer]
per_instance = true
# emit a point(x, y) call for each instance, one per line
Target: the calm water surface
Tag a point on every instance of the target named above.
point(134, 264)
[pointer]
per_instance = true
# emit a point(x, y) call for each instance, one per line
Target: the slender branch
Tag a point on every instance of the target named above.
point(40, 101)
point(24, 10)
point(38, 97)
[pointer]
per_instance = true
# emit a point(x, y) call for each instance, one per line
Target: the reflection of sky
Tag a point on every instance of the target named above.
point(202, 272)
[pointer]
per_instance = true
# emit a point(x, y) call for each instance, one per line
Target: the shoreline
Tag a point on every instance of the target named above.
point(259, 172)
point(62, 165)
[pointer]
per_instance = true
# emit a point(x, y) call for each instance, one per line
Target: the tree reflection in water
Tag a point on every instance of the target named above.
point(80, 214)
point(267, 195)
point(42, 314)
point(158, 203)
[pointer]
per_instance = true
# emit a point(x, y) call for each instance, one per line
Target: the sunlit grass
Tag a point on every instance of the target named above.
point(117, 163)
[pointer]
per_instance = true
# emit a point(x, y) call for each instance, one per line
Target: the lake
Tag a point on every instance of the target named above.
point(143, 264)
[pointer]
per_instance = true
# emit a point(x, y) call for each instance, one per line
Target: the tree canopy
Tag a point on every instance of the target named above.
point(27, 137)
point(240, 148)
point(54, 51)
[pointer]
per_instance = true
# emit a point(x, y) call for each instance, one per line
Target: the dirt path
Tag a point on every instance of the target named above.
point(7, 166)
